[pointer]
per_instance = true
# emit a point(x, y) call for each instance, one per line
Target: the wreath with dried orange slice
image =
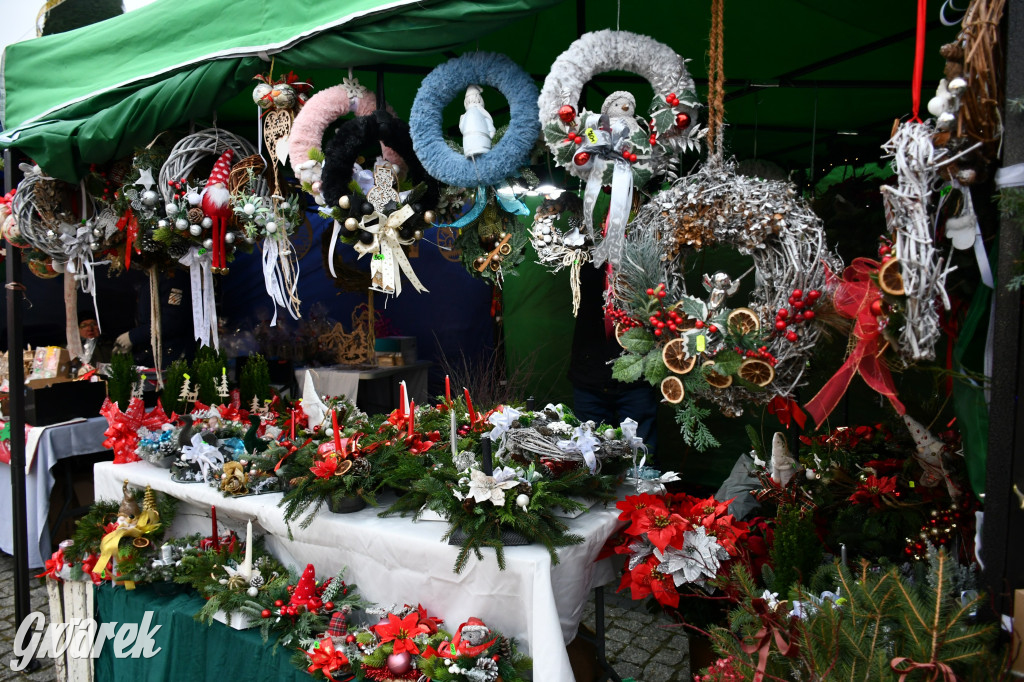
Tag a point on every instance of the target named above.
point(706, 348)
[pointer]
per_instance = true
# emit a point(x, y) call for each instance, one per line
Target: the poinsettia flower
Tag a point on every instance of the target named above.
point(648, 579)
point(872, 490)
point(661, 527)
point(325, 468)
point(483, 488)
point(401, 631)
point(637, 503)
point(699, 559)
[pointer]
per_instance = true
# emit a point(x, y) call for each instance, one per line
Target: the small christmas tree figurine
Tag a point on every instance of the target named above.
point(222, 386)
point(305, 589)
point(187, 393)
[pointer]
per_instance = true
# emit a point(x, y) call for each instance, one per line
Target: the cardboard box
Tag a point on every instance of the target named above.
point(385, 359)
point(50, 362)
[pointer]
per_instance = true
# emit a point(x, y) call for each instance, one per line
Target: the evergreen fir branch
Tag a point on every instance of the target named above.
point(690, 417)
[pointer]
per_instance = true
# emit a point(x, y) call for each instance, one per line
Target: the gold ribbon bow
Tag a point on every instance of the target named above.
point(389, 260)
point(147, 522)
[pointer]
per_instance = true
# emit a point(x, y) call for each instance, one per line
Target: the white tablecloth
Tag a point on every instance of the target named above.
point(394, 560)
point(56, 443)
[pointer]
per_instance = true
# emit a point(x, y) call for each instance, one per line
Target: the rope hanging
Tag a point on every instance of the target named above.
point(716, 83)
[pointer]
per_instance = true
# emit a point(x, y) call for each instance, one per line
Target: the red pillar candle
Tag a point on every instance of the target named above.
point(448, 390)
point(469, 406)
point(216, 533)
point(412, 415)
point(337, 432)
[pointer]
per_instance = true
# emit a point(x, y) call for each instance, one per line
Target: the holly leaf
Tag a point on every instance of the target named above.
point(637, 340)
point(664, 119)
point(641, 175)
point(654, 367)
point(728, 362)
point(693, 307)
point(628, 368)
point(641, 139)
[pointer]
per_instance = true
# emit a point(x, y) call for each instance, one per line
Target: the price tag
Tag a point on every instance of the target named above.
point(591, 136)
point(701, 343)
point(378, 256)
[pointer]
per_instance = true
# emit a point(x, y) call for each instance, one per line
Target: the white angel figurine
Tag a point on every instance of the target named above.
point(476, 124)
point(784, 467)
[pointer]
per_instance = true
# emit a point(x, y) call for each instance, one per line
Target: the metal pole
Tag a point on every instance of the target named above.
point(1004, 521)
point(16, 381)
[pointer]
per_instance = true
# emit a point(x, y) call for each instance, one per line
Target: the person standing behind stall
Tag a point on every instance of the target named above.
point(96, 349)
point(177, 331)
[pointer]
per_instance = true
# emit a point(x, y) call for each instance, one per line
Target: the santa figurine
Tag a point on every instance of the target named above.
point(217, 207)
point(476, 124)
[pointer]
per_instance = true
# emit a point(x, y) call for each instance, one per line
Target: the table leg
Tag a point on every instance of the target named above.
point(598, 640)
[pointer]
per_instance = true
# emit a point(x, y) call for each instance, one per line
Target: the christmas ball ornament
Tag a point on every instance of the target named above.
point(351, 224)
point(366, 237)
point(171, 208)
point(265, 613)
point(207, 243)
point(429, 217)
point(366, 208)
point(161, 223)
point(95, 246)
point(271, 227)
point(249, 209)
point(567, 113)
point(97, 232)
point(195, 230)
point(229, 237)
point(329, 606)
point(329, 432)
point(400, 664)
point(250, 240)
point(149, 197)
point(181, 224)
point(253, 591)
point(522, 501)
point(345, 202)
point(350, 638)
point(206, 222)
point(279, 603)
point(261, 95)
point(417, 234)
point(581, 159)
point(284, 96)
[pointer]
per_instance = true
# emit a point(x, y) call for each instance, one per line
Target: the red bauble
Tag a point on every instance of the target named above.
point(329, 606)
point(279, 603)
point(265, 613)
point(567, 113)
point(350, 638)
point(682, 120)
point(876, 307)
point(400, 664)
point(581, 159)
point(791, 336)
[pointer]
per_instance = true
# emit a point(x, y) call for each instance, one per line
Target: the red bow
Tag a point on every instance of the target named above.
point(54, 565)
point(787, 409)
point(770, 629)
point(936, 667)
point(855, 293)
point(122, 432)
point(326, 659)
point(129, 221)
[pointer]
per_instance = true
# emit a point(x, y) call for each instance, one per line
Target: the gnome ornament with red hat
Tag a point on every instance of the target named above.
point(217, 207)
point(305, 596)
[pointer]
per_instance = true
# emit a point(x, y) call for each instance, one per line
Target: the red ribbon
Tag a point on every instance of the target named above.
point(855, 293)
point(786, 410)
point(53, 566)
point(936, 667)
point(762, 643)
point(326, 659)
point(922, 11)
point(129, 221)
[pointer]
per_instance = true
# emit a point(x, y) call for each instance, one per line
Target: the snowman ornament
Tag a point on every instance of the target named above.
point(476, 124)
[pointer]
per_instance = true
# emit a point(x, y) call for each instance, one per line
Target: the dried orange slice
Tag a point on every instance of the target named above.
point(890, 279)
point(714, 378)
point(672, 389)
point(744, 320)
point(343, 467)
point(674, 357)
point(756, 371)
point(619, 331)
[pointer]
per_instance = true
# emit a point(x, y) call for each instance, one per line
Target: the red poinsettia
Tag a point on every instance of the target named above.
point(427, 621)
point(326, 659)
point(325, 468)
point(401, 631)
point(637, 503)
point(882, 467)
point(873, 489)
point(646, 580)
point(662, 527)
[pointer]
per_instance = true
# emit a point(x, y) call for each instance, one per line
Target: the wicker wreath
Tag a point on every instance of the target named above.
point(192, 149)
point(743, 354)
point(446, 82)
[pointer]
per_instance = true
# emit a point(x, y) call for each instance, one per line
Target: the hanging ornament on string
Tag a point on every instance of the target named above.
point(279, 101)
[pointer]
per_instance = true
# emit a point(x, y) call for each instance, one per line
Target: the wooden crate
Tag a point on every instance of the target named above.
point(70, 600)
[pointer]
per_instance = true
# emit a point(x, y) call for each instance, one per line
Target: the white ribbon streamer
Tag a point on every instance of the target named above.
point(203, 454)
point(389, 260)
point(583, 442)
point(204, 305)
point(278, 277)
point(606, 141)
point(80, 267)
point(502, 422)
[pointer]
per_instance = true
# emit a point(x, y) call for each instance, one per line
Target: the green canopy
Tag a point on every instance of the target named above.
point(802, 75)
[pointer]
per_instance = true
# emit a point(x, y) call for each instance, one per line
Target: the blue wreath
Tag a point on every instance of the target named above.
point(447, 81)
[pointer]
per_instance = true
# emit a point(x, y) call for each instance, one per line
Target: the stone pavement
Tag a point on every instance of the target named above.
point(639, 645)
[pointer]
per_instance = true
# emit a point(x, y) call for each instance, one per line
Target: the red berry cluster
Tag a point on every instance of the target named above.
point(108, 186)
point(620, 319)
point(885, 249)
point(761, 354)
point(629, 156)
point(801, 312)
point(180, 185)
point(672, 99)
point(663, 319)
point(574, 138)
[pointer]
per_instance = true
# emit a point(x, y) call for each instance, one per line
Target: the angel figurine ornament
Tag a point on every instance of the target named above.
point(476, 124)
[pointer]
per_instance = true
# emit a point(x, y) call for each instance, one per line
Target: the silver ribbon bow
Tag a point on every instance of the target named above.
point(605, 140)
point(78, 269)
point(203, 454)
point(502, 421)
point(204, 305)
point(583, 442)
point(389, 260)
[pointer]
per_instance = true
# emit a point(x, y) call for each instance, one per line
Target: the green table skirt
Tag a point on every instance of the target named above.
point(189, 650)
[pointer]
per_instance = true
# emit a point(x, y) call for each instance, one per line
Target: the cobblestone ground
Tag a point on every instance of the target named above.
point(638, 644)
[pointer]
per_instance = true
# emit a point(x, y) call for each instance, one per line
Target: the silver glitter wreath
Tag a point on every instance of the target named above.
point(765, 219)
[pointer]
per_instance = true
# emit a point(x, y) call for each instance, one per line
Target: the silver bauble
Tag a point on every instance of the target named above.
point(171, 208)
point(229, 238)
point(195, 230)
point(271, 227)
point(250, 240)
point(149, 197)
point(285, 97)
point(161, 223)
point(97, 232)
point(252, 592)
point(207, 243)
point(181, 224)
point(95, 246)
point(260, 95)
point(206, 222)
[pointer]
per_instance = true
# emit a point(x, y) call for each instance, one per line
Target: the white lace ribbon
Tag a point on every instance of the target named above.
point(204, 305)
point(389, 260)
point(583, 442)
point(281, 275)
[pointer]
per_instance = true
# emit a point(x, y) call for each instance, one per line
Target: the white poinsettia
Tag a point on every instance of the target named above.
point(483, 488)
point(698, 560)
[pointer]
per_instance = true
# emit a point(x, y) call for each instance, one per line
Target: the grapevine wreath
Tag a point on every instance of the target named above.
point(383, 220)
point(614, 147)
point(704, 347)
point(490, 238)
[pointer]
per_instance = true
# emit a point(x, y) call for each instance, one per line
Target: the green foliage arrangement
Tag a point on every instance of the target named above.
point(255, 380)
point(121, 376)
point(174, 377)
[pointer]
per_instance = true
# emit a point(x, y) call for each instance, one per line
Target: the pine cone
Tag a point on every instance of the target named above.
point(195, 215)
point(524, 488)
point(256, 581)
point(505, 648)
